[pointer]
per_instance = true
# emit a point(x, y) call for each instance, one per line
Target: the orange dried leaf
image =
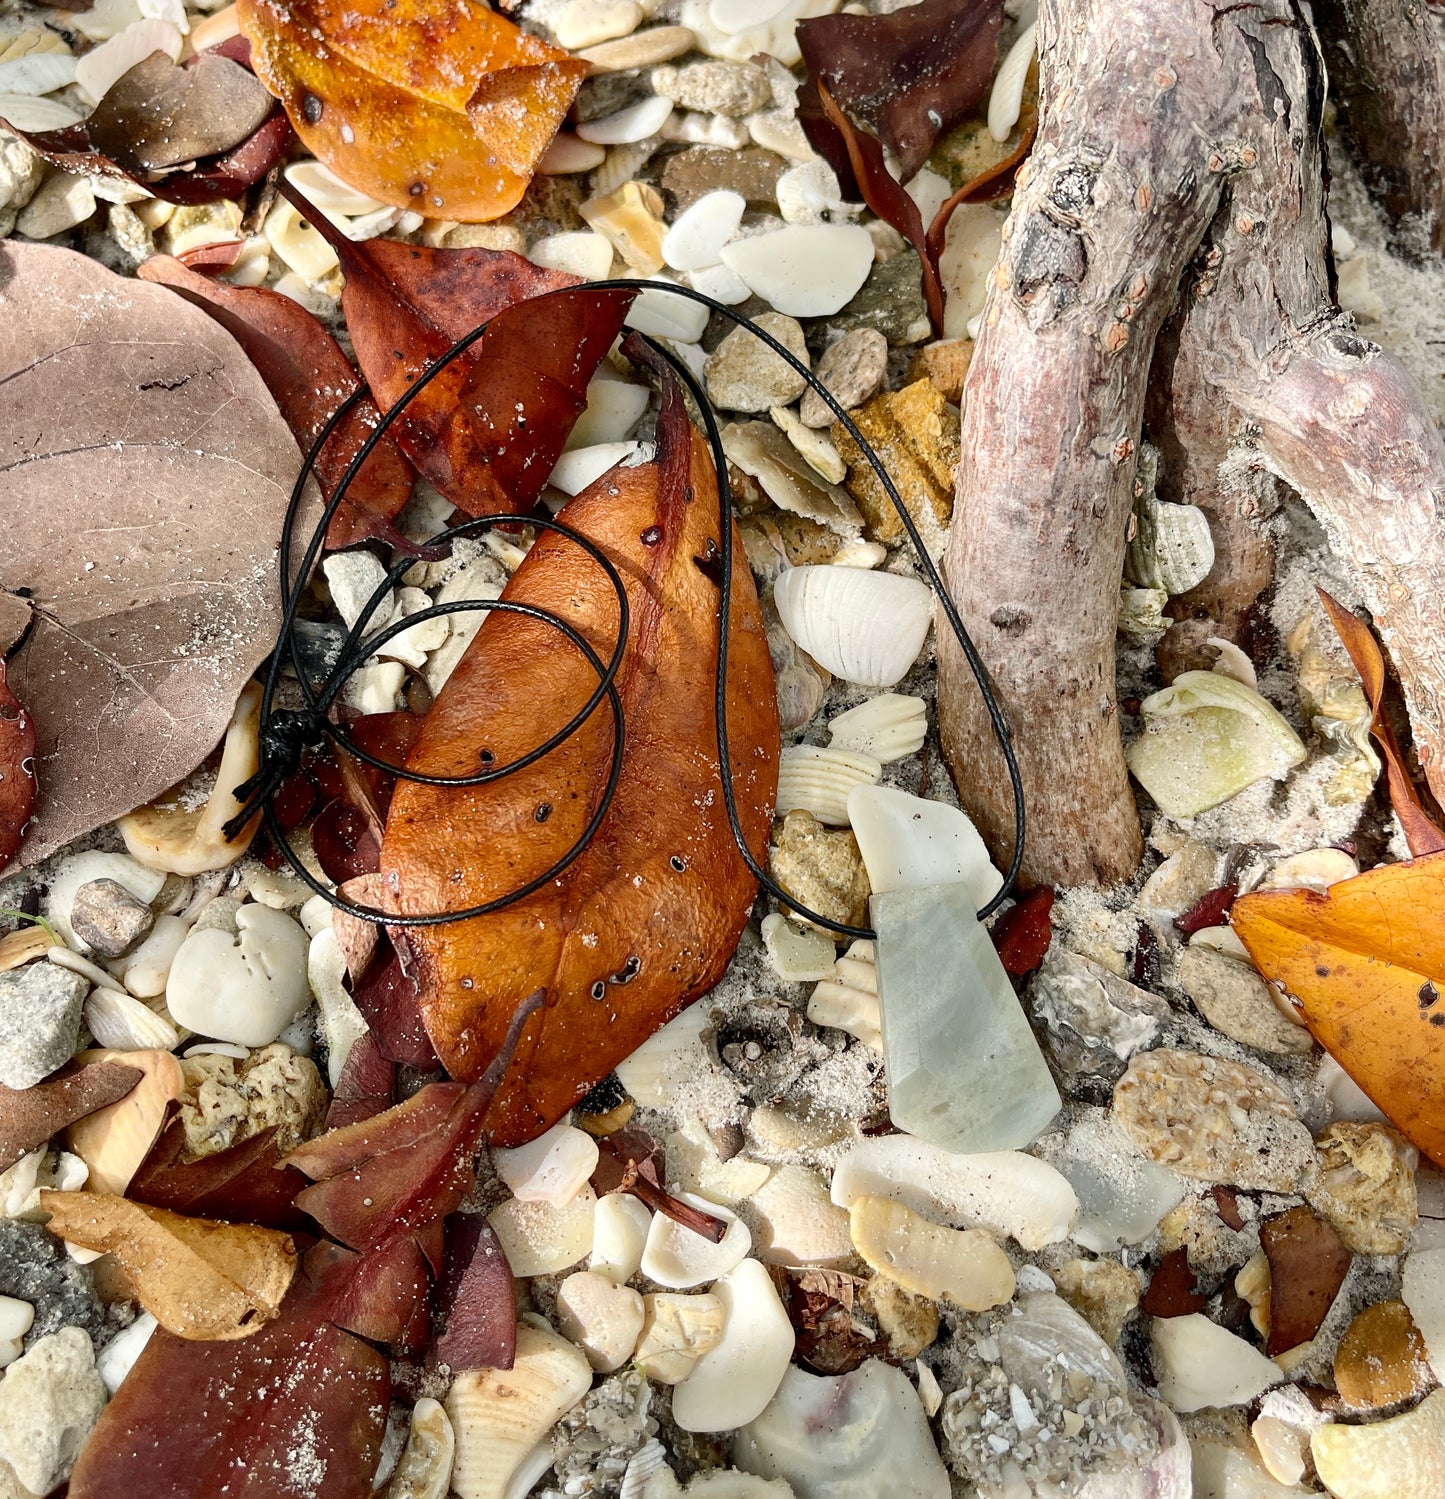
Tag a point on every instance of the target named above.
point(647, 917)
point(439, 107)
point(198, 1278)
point(1365, 961)
point(1359, 640)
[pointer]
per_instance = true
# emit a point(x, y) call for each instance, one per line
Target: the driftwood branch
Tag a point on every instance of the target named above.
point(1196, 149)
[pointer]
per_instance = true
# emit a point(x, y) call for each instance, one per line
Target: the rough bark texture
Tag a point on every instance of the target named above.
point(1198, 145)
point(1387, 72)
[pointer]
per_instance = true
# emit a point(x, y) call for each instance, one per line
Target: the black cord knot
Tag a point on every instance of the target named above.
point(285, 736)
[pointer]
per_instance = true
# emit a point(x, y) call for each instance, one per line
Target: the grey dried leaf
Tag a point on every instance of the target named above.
point(144, 476)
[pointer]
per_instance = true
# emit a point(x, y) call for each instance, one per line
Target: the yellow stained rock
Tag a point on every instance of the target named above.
point(915, 435)
point(963, 1266)
point(1381, 1359)
point(631, 217)
point(946, 363)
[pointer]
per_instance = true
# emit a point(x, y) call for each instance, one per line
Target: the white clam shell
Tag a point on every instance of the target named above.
point(500, 1415)
point(425, 1467)
point(678, 1258)
point(733, 1383)
point(912, 842)
point(1006, 1192)
point(553, 1168)
point(619, 1235)
point(889, 727)
point(866, 627)
point(125, 1024)
point(650, 1458)
point(818, 780)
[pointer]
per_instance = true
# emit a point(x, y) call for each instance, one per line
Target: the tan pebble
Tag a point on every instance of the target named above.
point(822, 869)
point(1214, 1120)
point(946, 363)
point(500, 1415)
point(909, 1322)
point(1402, 1458)
point(851, 370)
point(1366, 1186)
point(676, 1331)
point(1381, 1359)
point(603, 1318)
point(631, 217)
point(643, 49)
point(963, 1266)
point(916, 434)
point(1187, 874)
point(1236, 1001)
point(1253, 1284)
point(486, 237)
point(1103, 1292)
point(586, 23)
point(743, 374)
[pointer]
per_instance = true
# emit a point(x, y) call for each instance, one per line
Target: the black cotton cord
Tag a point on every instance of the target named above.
point(285, 733)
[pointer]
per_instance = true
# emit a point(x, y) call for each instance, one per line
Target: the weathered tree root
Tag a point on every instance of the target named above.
point(1176, 135)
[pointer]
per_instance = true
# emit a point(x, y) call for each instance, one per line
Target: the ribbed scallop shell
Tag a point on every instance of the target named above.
point(866, 627)
point(1172, 548)
point(817, 780)
point(125, 1024)
point(889, 727)
point(500, 1415)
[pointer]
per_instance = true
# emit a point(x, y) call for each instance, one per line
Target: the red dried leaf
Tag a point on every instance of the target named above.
point(1307, 1265)
point(382, 1295)
point(17, 770)
point(1421, 832)
point(212, 260)
point(309, 376)
point(389, 737)
point(630, 1160)
point(365, 1086)
point(1209, 910)
point(389, 997)
point(488, 430)
point(909, 75)
point(406, 1168)
point(1172, 1291)
point(296, 1411)
point(475, 1302)
point(30, 1116)
point(246, 1183)
point(345, 840)
point(885, 196)
point(1023, 933)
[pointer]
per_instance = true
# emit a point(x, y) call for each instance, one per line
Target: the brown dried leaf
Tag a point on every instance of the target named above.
point(198, 1278)
point(17, 769)
point(30, 1116)
point(647, 916)
point(1307, 1267)
point(1172, 1291)
point(630, 1160)
point(153, 471)
point(1421, 831)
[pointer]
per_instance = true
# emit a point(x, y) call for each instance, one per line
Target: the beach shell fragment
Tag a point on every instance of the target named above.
point(1201, 1364)
point(676, 1332)
point(539, 1239)
point(819, 781)
point(424, 1470)
point(963, 1266)
point(848, 999)
point(890, 726)
point(553, 1168)
point(1007, 1193)
point(677, 1257)
point(500, 1415)
point(1387, 1459)
point(603, 1318)
point(619, 1235)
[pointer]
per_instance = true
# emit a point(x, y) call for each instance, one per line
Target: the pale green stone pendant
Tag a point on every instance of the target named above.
point(964, 1070)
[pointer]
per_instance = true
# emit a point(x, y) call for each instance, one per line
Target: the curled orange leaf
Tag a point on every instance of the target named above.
point(441, 106)
point(1365, 963)
point(1359, 640)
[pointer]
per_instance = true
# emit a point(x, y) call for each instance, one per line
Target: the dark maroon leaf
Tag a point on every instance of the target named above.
point(30, 1116)
point(295, 1411)
point(365, 1086)
point(886, 197)
point(1209, 910)
point(1172, 1291)
point(909, 75)
point(474, 1303)
point(820, 1305)
point(389, 998)
point(1023, 933)
point(629, 1160)
point(381, 1295)
point(345, 841)
point(246, 1183)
